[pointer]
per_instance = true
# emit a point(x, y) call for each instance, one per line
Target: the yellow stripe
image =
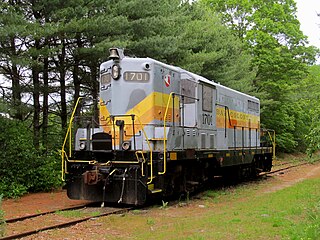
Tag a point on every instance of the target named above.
point(238, 119)
point(149, 109)
point(153, 107)
point(155, 101)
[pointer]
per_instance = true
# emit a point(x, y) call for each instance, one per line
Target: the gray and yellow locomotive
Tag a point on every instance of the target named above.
point(162, 130)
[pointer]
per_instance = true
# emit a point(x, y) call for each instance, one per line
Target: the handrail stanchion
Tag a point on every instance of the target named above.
point(165, 137)
point(150, 149)
point(68, 136)
point(273, 140)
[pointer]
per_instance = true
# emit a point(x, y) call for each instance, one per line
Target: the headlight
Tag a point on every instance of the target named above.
point(115, 71)
point(82, 145)
point(126, 145)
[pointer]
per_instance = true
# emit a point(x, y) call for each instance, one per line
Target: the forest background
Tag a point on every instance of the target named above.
point(50, 52)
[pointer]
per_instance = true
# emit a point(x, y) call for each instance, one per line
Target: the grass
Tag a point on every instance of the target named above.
point(77, 213)
point(309, 229)
point(71, 214)
point(298, 157)
point(290, 213)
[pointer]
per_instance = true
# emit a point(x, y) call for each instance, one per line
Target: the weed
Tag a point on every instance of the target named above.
point(150, 222)
point(164, 205)
point(71, 214)
point(136, 211)
point(313, 159)
point(216, 195)
point(195, 238)
point(94, 214)
point(235, 220)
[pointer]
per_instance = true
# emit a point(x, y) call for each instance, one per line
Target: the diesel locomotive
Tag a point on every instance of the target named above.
point(162, 131)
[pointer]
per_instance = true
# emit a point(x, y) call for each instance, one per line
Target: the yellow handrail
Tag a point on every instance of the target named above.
point(273, 140)
point(165, 136)
point(136, 153)
point(65, 156)
point(68, 135)
point(149, 146)
point(69, 131)
point(150, 149)
point(144, 160)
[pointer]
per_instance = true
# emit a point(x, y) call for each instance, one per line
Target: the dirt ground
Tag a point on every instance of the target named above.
point(41, 202)
point(37, 203)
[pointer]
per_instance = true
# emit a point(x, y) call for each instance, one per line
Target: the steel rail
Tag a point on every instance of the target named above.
point(63, 225)
point(17, 219)
point(283, 169)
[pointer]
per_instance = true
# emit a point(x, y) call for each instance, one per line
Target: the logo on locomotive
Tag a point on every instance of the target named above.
point(167, 80)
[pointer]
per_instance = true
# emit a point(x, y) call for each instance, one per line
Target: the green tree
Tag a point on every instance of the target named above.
point(308, 99)
point(12, 59)
point(22, 168)
point(190, 36)
point(214, 52)
point(270, 29)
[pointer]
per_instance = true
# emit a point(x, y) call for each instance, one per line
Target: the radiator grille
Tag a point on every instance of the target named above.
point(211, 141)
point(203, 140)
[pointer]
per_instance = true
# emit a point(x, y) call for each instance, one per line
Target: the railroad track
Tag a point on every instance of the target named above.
point(282, 169)
point(106, 211)
point(20, 220)
point(17, 219)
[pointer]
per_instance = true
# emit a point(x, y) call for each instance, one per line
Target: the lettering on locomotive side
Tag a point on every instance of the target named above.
point(207, 119)
point(229, 118)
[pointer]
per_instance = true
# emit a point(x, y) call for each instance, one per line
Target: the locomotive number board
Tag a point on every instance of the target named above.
point(136, 76)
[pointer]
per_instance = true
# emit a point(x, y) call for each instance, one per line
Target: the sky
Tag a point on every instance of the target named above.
point(310, 22)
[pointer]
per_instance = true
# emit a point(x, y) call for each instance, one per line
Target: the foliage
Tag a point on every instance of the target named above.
point(271, 32)
point(22, 168)
point(308, 99)
point(214, 52)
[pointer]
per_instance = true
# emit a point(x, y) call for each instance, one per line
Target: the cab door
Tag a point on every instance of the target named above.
point(188, 103)
point(207, 116)
point(188, 113)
